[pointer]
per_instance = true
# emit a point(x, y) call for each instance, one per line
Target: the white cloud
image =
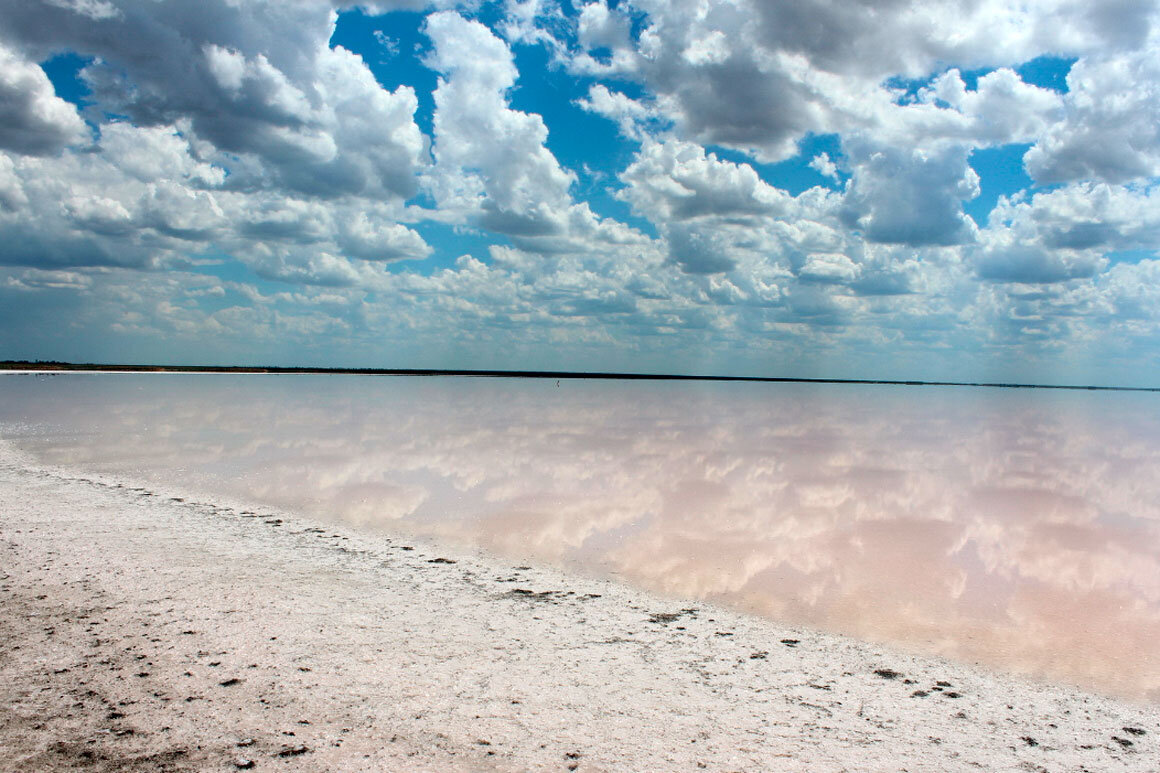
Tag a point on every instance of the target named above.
point(1132, 294)
point(155, 153)
point(11, 189)
point(1000, 110)
point(1065, 233)
point(257, 79)
point(491, 161)
point(33, 120)
point(714, 214)
point(630, 115)
point(492, 165)
point(227, 67)
point(376, 125)
point(389, 44)
point(758, 76)
point(527, 21)
point(607, 30)
point(379, 239)
point(1111, 128)
point(141, 200)
point(902, 195)
point(1087, 216)
point(239, 123)
point(179, 211)
point(93, 9)
point(1035, 264)
point(825, 166)
point(829, 267)
point(241, 132)
point(679, 180)
point(598, 26)
point(39, 279)
point(311, 266)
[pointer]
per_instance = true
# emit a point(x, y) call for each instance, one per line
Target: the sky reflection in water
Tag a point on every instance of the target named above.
point(1016, 529)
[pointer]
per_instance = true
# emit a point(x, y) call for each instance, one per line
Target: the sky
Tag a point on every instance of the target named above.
point(940, 190)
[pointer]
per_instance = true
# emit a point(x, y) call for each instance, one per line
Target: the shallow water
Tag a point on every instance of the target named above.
point(1017, 529)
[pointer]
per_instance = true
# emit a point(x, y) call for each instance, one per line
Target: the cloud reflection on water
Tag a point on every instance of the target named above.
point(1016, 529)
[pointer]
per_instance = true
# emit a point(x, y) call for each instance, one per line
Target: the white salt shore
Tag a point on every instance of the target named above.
point(142, 633)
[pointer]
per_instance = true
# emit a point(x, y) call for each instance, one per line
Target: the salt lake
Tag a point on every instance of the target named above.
point(1017, 529)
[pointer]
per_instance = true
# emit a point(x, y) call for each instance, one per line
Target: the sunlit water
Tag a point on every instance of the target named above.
point(1017, 529)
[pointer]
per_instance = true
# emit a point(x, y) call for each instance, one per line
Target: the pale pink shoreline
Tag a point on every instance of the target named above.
point(128, 616)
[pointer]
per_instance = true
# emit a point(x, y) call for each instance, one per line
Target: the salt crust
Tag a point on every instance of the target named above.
point(142, 632)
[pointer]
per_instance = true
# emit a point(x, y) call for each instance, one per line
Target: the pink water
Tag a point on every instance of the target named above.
point(1016, 529)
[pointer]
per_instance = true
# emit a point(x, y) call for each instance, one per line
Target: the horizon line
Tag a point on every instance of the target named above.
point(59, 366)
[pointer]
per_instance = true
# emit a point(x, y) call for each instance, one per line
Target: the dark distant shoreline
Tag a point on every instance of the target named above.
point(50, 367)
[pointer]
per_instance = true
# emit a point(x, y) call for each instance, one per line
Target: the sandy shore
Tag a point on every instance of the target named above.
point(142, 633)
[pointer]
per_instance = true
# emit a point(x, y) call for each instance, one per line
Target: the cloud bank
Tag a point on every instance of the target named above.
point(960, 190)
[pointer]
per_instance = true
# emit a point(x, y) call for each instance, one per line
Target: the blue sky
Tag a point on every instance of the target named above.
point(965, 191)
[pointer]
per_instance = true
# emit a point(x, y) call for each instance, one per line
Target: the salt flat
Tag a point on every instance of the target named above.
point(140, 632)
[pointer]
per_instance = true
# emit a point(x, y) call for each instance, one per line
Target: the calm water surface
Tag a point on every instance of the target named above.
point(1017, 529)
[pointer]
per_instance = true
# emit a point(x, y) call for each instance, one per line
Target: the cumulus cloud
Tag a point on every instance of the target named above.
point(256, 79)
point(39, 279)
point(12, 194)
point(491, 160)
point(829, 267)
point(758, 76)
point(235, 124)
point(909, 196)
point(1001, 109)
point(1087, 216)
point(1111, 128)
point(701, 250)
point(235, 132)
point(1066, 233)
point(711, 211)
point(1035, 264)
point(679, 181)
point(156, 152)
point(788, 259)
point(144, 199)
point(631, 115)
point(33, 120)
point(492, 164)
point(362, 237)
point(82, 210)
point(825, 166)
